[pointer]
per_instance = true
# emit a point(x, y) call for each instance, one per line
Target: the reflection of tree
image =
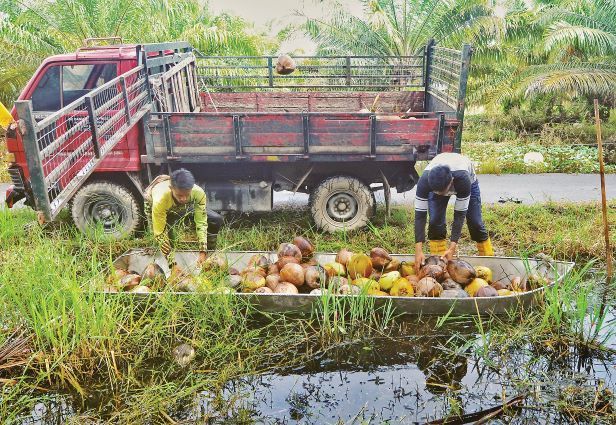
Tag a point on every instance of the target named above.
point(443, 370)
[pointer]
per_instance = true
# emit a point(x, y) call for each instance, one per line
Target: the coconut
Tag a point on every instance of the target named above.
point(407, 269)
point(366, 284)
point(110, 289)
point(461, 272)
point(377, 293)
point(233, 271)
point(499, 284)
point(285, 65)
point(486, 291)
point(283, 261)
point(232, 281)
point(258, 260)
point(272, 280)
point(289, 250)
point(153, 271)
point(335, 269)
point(336, 282)
point(344, 256)
point(436, 260)
point(454, 293)
point(305, 246)
point(393, 266)
point(129, 281)
point(474, 286)
point(450, 284)
point(376, 275)
point(517, 284)
point(116, 276)
point(185, 284)
point(431, 270)
point(286, 288)
point(347, 289)
point(484, 273)
point(263, 290)
point(316, 291)
point(402, 288)
point(504, 292)
point(359, 265)
point(273, 269)
point(380, 258)
point(386, 282)
point(292, 273)
point(315, 276)
point(428, 287)
point(252, 281)
point(535, 281)
point(140, 289)
point(310, 263)
point(215, 262)
point(254, 269)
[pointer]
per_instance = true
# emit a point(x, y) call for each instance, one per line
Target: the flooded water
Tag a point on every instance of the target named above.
point(419, 373)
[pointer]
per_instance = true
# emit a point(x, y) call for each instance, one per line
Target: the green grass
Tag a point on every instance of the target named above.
point(115, 348)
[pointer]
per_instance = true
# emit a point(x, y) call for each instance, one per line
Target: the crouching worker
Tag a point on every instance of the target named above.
point(448, 174)
point(169, 201)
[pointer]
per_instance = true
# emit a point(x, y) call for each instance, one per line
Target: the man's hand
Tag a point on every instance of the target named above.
point(449, 254)
point(202, 257)
point(420, 258)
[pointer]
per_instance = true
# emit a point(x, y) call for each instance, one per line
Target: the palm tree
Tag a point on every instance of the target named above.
point(30, 32)
point(396, 27)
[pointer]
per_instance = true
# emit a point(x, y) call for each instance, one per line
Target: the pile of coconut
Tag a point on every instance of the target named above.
point(296, 272)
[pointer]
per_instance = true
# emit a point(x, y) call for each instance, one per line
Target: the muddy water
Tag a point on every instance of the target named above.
point(412, 379)
point(418, 373)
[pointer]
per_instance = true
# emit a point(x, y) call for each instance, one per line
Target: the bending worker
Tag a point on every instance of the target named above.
point(169, 200)
point(448, 174)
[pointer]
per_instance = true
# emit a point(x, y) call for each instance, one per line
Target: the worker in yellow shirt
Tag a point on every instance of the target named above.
point(169, 200)
point(5, 116)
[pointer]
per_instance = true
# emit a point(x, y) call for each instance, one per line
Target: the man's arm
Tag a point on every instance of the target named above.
point(159, 226)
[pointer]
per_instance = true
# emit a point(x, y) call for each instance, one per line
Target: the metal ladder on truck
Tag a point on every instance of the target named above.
point(64, 148)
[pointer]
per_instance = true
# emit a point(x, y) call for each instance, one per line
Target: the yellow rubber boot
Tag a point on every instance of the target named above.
point(438, 247)
point(485, 248)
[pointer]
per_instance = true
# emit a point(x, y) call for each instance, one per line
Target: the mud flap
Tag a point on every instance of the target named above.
point(387, 193)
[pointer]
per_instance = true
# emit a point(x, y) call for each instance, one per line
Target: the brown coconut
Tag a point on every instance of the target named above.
point(461, 272)
point(486, 291)
point(285, 65)
point(272, 280)
point(263, 290)
point(436, 260)
point(393, 266)
point(258, 260)
point(292, 273)
point(286, 288)
point(289, 250)
point(344, 256)
point(116, 276)
point(500, 284)
point(315, 277)
point(305, 246)
point(129, 281)
point(283, 261)
point(433, 271)
point(380, 258)
point(428, 287)
point(449, 284)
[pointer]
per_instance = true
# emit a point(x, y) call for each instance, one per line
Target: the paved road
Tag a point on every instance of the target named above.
point(528, 188)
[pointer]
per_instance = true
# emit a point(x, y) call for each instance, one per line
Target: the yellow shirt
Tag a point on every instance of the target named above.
point(163, 204)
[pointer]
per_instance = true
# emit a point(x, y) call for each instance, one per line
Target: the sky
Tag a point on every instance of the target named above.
point(280, 13)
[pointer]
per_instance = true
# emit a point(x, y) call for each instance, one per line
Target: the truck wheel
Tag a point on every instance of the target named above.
point(341, 203)
point(108, 206)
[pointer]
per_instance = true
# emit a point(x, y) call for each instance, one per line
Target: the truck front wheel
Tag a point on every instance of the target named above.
point(341, 203)
point(107, 206)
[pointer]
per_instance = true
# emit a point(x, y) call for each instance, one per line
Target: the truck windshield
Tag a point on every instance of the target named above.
point(61, 85)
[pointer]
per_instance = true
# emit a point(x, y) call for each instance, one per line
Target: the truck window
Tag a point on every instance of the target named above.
point(46, 96)
point(78, 80)
point(61, 85)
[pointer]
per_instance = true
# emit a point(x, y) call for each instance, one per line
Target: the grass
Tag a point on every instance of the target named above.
point(119, 351)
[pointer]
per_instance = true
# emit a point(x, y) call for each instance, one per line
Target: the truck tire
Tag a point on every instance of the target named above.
point(341, 203)
point(108, 206)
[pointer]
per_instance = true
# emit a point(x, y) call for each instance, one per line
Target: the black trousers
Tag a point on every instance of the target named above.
point(437, 209)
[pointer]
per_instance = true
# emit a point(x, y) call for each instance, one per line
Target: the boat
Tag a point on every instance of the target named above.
point(136, 261)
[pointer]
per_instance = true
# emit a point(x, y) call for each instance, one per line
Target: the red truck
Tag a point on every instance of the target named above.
point(94, 127)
